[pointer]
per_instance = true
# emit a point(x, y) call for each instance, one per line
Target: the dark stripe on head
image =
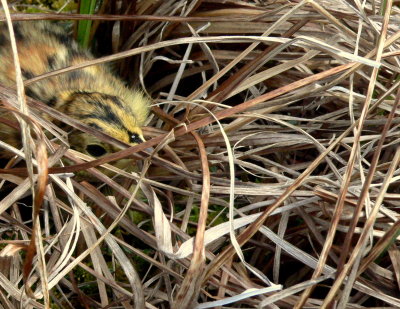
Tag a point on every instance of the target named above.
point(104, 114)
point(81, 92)
point(95, 126)
point(115, 100)
point(110, 117)
point(102, 111)
point(92, 95)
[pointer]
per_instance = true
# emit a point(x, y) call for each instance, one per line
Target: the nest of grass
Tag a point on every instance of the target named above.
point(272, 181)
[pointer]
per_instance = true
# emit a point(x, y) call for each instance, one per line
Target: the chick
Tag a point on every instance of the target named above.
point(92, 95)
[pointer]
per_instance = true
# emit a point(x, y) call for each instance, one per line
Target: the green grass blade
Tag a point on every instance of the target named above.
point(84, 26)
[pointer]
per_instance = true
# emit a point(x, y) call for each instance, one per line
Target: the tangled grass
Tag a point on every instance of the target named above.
point(269, 178)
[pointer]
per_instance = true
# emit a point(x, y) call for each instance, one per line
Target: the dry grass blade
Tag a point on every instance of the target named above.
point(347, 176)
point(35, 245)
point(269, 177)
point(395, 257)
point(190, 288)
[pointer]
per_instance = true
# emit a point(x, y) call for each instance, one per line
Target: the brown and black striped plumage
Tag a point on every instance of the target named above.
point(92, 95)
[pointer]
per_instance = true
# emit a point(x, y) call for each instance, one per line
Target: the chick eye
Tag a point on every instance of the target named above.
point(95, 150)
point(135, 138)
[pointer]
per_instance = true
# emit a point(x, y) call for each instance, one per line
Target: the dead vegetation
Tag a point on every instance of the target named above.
point(272, 181)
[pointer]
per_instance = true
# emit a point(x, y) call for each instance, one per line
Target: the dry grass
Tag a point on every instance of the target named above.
point(272, 181)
